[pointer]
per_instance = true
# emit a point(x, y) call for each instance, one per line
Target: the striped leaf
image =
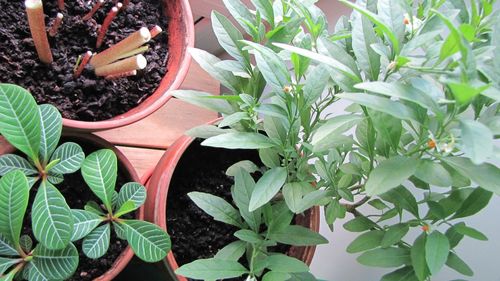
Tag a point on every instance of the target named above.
point(99, 171)
point(54, 178)
point(120, 231)
point(9, 162)
point(70, 157)
point(26, 243)
point(32, 181)
point(19, 121)
point(125, 208)
point(52, 221)
point(51, 127)
point(96, 244)
point(14, 194)
point(149, 242)
point(6, 247)
point(55, 264)
point(84, 223)
point(34, 273)
point(6, 263)
point(134, 192)
point(93, 207)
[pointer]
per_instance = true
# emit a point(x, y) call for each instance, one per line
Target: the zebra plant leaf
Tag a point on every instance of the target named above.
point(125, 208)
point(54, 178)
point(34, 273)
point(19, 121)
point(149, 242)
point(70, 157)
point(51, 218)
point(134, 192)
point(26, 243)
point(96, 244)
point(6, 247)
point(84, 223)
point(5, 263)
point(55, 264)
point(99, 171)
point(51, 127)
point(14, 194)
point(9, 162)
point(93, 207)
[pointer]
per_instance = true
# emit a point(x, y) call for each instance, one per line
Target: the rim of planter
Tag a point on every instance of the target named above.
point(156, 202)
point(180, 37)
point(124, 258)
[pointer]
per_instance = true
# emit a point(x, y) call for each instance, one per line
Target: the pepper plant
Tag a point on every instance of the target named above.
point(415, 147)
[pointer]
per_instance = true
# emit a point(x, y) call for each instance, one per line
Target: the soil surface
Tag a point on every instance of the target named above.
point(196, 235)
point(86, 98)
point(77, 194)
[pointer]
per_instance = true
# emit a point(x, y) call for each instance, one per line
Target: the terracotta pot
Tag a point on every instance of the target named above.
point(124, 166)
point(180, 38)
point(156, 203)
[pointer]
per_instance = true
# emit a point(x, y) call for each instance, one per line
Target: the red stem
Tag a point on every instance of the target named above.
point(155, 31)
point(83, 63)
point(121, 75)
point(55, 25)
point(60, 3)
point(105, 25)
point(125, 3)
point(96, 7)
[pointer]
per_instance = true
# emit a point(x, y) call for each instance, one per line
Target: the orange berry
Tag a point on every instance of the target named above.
point(431, 144)
point(406, 21)
point(425, 227)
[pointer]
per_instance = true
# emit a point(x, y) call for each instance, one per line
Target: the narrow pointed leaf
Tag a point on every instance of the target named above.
point(96, 244)
point(232, 252)
point(486, 175)
point(132, 191)
point(388, 257)
point(56, 264)
point(366, 241)
point(204, 100)
point(383, 178)
point(211, 269)
point(216, 207)
point(149, 242)
point(394, 234)
point(437, 248)
point(51, 127)
point(84, 223)
point(244, 185)
point(9, 162)
point(458, 265)
point(363, 36)
point(477, 141)
point(99, 170)
point(418, 260)
point(70, 156)
point(298, 236)
point(14, 194)
point(229, 37)
point(239, 140)
point(267, 187)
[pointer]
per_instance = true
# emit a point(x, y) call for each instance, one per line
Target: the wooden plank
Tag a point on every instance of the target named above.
point(142, 159)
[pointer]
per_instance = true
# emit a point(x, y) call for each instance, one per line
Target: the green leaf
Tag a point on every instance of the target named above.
point(10, 162)
point(437, 248)
point(486, 175)
point(6, 247)
point(246, 165)
point(392, 14)
point(125, 208)
point(433, 173)
point(366, 241)
point(19, 119)
point(359, 224)
point(240, 13)
point(267, 187)
point(400, 196)
point(70, 156)
point(211, 269)
point(248, 236)
point(474, 203)
point(229, 37)
point(84, 223)
point(133, 192)
point(203, 99)
point(298, 236)
point(26, 243)
point(385, 257)
point(458, 265)
point(6, 263)
point(244, 185)
point(477, 141)
point(335, 126)
point(396, 109)
point(120, 231)
point(286, 264)
point(363, 36)
point(239, 141)
point(469, 231)
point(96, 243)
point(232, 251)
point(394, 234)
point(265, 8)
point(315, 84)
point(55, 264)
point(99, 170)
point(14, 194)
point(216, 207)
point(149, 242)
point(52, 221)
point(51, 127)
point(418, 260)
point(34, 273)
point(383, 178)
point(276, 276)
point(403, 274)
point(93, 207)
point(453, 236)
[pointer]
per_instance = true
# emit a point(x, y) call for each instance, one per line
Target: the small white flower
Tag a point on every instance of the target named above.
point(412, 26)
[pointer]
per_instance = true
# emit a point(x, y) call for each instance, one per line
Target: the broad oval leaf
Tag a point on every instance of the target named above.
point(286, 264)
point(131, 191)
point(384, 178)
point(475, 202)
point(267, 187)
point(394, 234)
point(14, 194)
point(477, 141)
point(26, 243)
point(242, 192)
point(335, 126)
point(99, 170)
point(51, 127)
point(433, 173)
point(84, 223)
point(232, 252)
point(19, 119)
point(437, 248)
point(216, 207)
point(298, 236)
point(458, 265)
point(149, 242)
point(239, 141)
point(486, 175)
point(96, 244)
point(385, 257)
point(366, 241)
point(56, 264)
point(418, 257)
point(211, 269)
point(10, 162)
point(51, 217)
point(70, 156)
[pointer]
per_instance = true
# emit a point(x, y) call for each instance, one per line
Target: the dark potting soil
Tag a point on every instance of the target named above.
point(196, 235)
point(86, 98)
point(77, 194)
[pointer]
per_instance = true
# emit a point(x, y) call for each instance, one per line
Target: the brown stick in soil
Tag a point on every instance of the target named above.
point(36, 20)
point(56, 24)
point(60, 3)
point(121, 75)
point(95, 8)
point(105, 25)
point(82, 64)
point(113, 53)
point(155, 31)
point(125, 3)
point(129, 64)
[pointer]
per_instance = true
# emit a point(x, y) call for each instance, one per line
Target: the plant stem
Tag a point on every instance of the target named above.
point(155, 31)
point(82, 64)
point(121, 75)
point(60, 4)
point(36, 20)
point(96, 7)
point(129, 64)
point(105, 25)
point(56, 24)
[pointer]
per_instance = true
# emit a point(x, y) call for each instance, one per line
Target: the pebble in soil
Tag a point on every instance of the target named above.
point(87, 98)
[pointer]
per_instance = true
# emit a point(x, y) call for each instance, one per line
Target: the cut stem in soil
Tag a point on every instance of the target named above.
point(95, 8)
point(155, 31)
point(60, 3)
point(56, 24)
point(83, 63)
point(121, 75)
point(129, 64)
point(105, 25)
point(34, 10)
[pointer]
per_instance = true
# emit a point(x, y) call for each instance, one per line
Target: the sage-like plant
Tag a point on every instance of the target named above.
point(416, 146)
point(35, 130)
point(93, 225)
point(19, 257)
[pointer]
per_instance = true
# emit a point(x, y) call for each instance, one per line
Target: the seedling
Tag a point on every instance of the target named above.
point(93, 225)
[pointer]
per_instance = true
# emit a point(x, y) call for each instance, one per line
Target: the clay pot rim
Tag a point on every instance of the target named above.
point(148, 106)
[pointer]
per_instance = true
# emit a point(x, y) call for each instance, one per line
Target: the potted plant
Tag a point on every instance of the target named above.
point(66, 67)
point(68, 241)
point(415, 147)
